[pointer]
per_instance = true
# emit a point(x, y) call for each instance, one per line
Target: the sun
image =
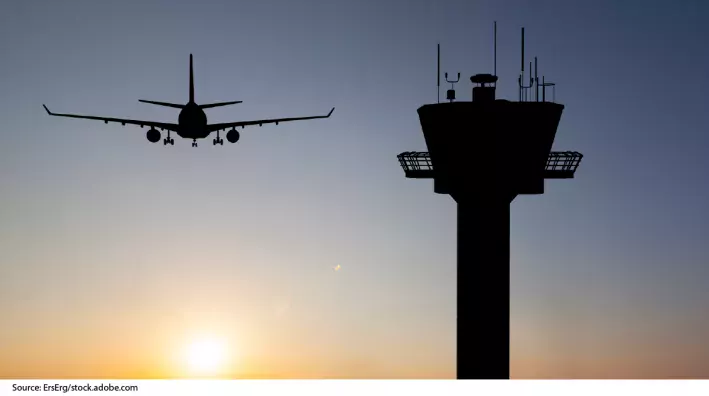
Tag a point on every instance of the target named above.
point(206, 357)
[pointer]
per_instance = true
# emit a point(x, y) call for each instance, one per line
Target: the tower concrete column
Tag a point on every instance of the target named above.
point(483, 311)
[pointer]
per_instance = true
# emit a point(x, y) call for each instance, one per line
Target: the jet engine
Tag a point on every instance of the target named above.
point(153, 135)
point(232, 136)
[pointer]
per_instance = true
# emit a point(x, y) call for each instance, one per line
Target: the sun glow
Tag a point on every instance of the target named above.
point(206, 357)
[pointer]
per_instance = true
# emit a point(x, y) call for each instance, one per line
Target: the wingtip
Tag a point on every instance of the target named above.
point(330, 113)
point(46, 109)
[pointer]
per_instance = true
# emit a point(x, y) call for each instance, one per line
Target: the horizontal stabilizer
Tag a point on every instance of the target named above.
point(209, 105)
point(177, 106)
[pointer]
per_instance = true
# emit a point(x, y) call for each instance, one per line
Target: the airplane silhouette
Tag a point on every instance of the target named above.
point(192, 122)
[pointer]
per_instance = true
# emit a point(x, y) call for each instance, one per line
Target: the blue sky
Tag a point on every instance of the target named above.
point(122, 249)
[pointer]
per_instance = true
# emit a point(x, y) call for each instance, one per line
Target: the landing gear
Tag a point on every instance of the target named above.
point(168, 140)
point(218, 140)
point(194, 143)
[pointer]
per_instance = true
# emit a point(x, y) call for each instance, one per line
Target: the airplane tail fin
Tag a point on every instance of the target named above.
point(175, 105)
point(219, 104)
point(191, 82)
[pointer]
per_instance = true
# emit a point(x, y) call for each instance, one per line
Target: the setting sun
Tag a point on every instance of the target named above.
point(206, 357)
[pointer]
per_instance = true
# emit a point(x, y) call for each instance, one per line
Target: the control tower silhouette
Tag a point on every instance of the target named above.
point(484, 153)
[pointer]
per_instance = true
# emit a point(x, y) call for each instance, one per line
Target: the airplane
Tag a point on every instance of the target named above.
point(192, 122)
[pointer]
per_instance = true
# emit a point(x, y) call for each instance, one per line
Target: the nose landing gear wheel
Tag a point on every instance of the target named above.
point(221, 142)
point(172, 142)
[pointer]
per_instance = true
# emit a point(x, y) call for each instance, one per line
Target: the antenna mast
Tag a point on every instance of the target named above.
point(521, 73)
point(494, 73)
point(536, 80)
point(523, 88)
point(439, 73)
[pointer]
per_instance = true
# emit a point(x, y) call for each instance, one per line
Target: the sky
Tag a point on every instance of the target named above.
point(117, 254)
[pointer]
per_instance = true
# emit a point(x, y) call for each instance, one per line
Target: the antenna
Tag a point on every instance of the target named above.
point(536, 80)
point(494, 73)
point(521, 73)
point(531, 83)
point(450, 95)
point(544, 85)
point(439, 73)
point(544, 90)
point(523, 88)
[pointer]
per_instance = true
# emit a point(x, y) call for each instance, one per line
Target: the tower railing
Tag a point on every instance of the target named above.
point(416, 165)
point(559, 165)
point(562, 164)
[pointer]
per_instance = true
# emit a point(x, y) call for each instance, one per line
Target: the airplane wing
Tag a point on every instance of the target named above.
point(225, 125)
point(161, 125)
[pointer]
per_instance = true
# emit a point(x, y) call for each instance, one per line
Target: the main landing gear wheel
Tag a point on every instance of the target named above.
point(218, 140)
point(168, 140)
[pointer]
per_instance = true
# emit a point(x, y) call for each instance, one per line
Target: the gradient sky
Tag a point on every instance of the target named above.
point(115, 253)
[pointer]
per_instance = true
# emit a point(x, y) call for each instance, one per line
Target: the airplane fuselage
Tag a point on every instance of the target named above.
point(193, 122)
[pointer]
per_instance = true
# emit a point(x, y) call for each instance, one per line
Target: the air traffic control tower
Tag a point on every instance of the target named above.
point(484, 153)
